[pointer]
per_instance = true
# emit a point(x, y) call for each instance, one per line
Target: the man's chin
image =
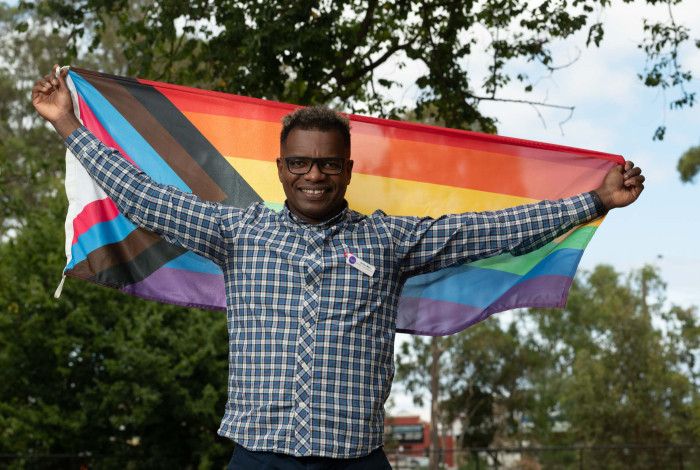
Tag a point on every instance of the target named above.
point(313, 214)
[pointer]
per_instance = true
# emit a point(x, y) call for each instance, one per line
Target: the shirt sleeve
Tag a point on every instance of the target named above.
point(427, 244)
point(179, 217)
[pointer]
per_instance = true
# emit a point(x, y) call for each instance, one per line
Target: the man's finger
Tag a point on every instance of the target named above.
point(633, 172)
point(62, 73)
point(635, 181)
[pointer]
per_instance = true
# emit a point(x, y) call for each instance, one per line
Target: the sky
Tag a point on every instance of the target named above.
point(615, 113)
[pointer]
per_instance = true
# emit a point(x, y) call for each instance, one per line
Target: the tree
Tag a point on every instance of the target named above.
point(124, 382)
point(312, 52)
point(618, 365)
point(624, 368)
point(30, 162)
point(131, 383)
point(689, 164)
point(479, 381)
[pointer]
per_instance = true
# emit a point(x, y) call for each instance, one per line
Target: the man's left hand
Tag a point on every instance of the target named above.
point(621, 186)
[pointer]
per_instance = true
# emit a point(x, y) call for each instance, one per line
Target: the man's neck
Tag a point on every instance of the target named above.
point(329, 220)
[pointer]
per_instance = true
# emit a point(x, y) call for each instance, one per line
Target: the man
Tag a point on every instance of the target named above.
point(312, 291)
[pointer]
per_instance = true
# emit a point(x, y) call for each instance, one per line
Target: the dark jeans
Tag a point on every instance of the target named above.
point(244, 459)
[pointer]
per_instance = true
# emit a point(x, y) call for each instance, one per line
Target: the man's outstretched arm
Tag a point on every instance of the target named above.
point(181, 218)
point(428, 244)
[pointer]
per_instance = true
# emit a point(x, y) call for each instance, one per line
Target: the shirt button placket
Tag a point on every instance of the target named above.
point(306, 341)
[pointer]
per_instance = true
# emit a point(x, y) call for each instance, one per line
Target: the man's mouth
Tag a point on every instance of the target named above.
point(313, 192)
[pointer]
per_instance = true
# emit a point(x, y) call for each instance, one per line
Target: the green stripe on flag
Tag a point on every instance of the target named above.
point(521, 265)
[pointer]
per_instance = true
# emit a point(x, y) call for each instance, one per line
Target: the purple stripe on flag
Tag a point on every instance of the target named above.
point(437, 317)
point(424, 316)
point(538, 292)
point(181, 287)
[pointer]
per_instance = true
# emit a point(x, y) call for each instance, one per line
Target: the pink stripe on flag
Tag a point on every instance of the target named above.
point(101, 210)
point(91, 122)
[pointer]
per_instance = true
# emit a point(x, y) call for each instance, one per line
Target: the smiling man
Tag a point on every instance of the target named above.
point(312, 291)
point(315, 166)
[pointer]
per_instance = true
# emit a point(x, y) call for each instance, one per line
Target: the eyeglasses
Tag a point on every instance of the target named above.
point(303, 165)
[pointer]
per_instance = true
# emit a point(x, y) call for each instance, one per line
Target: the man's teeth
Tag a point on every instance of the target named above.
point(313, 191)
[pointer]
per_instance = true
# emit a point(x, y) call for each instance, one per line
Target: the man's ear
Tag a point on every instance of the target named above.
point(280, 169)
point(348, 169)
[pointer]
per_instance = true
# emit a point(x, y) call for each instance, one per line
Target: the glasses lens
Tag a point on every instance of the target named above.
point(299, 166)
point(330, 166)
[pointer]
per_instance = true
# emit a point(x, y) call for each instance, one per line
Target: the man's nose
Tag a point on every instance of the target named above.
point(314, 173)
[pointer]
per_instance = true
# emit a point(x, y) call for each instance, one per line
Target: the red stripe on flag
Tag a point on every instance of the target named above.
point(223, 104)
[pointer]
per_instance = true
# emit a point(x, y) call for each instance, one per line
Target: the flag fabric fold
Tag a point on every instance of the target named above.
point(223, 148)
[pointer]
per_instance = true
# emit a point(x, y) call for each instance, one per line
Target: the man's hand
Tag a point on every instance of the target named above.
point(621, 186)
point(52, 100)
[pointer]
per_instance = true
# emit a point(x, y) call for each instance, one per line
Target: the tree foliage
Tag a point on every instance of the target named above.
point(618, 365)
point(133, 384)
point(689, 164)
point(123, 382)
point(318, 52)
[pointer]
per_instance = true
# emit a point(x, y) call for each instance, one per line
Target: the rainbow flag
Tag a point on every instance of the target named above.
point(223, 148)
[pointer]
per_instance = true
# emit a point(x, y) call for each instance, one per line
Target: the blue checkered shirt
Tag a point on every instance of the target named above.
point(311, 338)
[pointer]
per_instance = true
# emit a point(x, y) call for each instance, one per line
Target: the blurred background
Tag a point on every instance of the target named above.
point(97, 379)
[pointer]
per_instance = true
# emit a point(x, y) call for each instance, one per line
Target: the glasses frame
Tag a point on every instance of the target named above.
point(317, 162)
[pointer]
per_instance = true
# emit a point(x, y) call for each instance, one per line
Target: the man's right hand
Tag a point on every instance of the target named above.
point(51, 98)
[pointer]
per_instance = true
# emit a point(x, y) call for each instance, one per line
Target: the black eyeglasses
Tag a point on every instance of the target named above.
point(303, 165)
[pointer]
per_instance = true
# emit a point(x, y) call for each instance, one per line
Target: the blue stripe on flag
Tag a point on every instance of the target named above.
point(98, 235)
point(193, 262)
point(480, 287)
point(561, 262)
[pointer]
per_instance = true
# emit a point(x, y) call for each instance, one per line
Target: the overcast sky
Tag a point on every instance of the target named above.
point(615, 113)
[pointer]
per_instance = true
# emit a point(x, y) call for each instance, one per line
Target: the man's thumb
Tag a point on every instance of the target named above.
point(61, 75)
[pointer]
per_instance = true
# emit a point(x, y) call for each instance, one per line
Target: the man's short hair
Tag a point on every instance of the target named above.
point(316, 118)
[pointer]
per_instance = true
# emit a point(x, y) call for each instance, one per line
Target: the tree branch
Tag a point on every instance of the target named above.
point(530, 102)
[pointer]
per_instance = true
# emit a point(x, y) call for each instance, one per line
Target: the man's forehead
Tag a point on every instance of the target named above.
point(314, 142)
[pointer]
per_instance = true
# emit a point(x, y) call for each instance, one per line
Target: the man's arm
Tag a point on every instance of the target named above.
point(179, 217)
point(426, 244)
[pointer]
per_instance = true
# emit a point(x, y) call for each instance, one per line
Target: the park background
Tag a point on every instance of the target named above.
point(114, 381)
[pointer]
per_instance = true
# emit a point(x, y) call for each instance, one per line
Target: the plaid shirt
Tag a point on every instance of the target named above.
point(311, 338)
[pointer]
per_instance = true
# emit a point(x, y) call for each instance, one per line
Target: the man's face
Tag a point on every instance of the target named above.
point(315, 196)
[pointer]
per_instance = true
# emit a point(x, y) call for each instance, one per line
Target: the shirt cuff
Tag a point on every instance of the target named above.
point(599, 206)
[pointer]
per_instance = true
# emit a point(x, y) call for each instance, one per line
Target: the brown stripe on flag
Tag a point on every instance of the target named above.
point(121, 258)
point(158, 137)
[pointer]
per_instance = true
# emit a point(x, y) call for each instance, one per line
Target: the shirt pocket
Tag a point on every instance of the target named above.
point(352, 294)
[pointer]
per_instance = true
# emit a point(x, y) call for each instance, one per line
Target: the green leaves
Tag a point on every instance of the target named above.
point(689, 164)
point(98, 371)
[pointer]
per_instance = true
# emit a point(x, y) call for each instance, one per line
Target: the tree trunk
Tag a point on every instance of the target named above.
point(434, 404)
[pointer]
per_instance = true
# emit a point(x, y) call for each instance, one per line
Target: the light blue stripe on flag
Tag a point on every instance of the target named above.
point(98, 235)
point(193, 262)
